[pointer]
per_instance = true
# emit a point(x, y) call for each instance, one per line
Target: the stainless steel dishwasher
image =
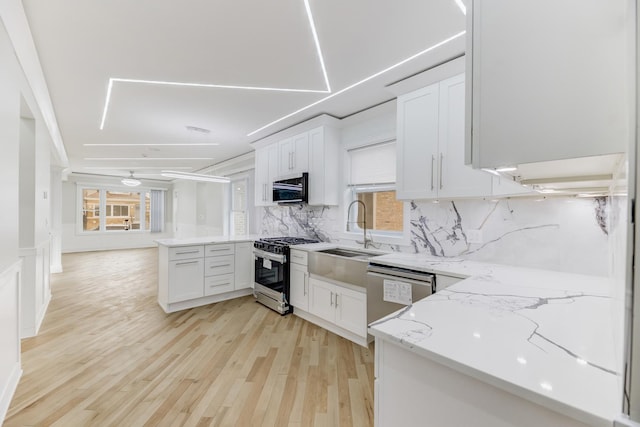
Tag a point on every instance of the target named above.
point(386, 284)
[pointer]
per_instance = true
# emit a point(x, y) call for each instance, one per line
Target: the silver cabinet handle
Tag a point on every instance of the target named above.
point(441, 157)
point(331, 300)
point(336, 300)
point(219, 284)
point(218, 266)
point(187, 252)
point(187, 262)
point(218, 250)
point(304, 284)
point(433, 161)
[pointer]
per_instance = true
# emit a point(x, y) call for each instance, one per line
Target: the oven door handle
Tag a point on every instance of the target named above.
point(268, 255)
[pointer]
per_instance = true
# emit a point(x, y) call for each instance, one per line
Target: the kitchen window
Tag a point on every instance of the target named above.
point(113, 210)
point(372, 176)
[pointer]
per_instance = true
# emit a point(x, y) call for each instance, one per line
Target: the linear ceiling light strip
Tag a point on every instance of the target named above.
point(317, 42)
point(404, 61)
point(186, 144)
point(148, 158)
point(106, 104)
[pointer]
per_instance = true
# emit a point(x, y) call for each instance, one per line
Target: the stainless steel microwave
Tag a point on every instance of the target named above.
point(293, 190)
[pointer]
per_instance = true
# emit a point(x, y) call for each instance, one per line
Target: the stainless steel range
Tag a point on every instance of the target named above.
point(271, 287)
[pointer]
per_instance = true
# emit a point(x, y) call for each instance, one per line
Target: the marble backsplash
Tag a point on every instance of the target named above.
point(563, 234)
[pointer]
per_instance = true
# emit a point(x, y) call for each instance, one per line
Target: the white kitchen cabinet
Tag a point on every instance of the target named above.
point(294, 155)
point(344, 307)
point(265, 173)
point(191, 276)
point(321, 296)
point(299, 287)
point(244, 265)
point(431, 144)
point(351, 310)
point(324, 167)
point(548, 82)
point(186, 279)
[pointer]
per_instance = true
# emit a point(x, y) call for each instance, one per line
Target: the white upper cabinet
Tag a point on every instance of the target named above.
point(315, 151)
point(324, 169)
point(548, 80)
point(294, 155)
point(430, 141)
point(265, 173)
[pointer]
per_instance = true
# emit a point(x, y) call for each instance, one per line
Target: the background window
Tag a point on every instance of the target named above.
point(90, 210)
point(239, 220)
point(384, 212)
point(372, 177)
point(122, 210)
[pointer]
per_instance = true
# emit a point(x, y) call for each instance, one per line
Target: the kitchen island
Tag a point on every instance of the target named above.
point(203, 270)
point(505, 347)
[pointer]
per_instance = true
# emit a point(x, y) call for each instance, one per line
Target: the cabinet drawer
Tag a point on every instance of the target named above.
point(186, 252)
point(218, 284)
point(214, 266)
point(299, 257)
point(219, 249)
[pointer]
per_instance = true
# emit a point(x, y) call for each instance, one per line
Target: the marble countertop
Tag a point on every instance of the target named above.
point(203, 240)
point(545, 336)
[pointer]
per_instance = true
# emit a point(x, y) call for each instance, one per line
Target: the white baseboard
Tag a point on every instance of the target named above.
point(8, 390)
point(183, 305)
point(28, 332)
point(330, 327)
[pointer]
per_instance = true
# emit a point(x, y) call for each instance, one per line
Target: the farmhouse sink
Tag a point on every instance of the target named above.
point(342, 265)
point(349, 253)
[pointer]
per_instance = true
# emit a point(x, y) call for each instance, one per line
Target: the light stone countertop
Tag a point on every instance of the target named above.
point(204, 240)
point(542, 335)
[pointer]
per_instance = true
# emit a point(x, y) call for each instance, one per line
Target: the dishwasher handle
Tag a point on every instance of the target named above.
point(419, 281)
point(400, 274)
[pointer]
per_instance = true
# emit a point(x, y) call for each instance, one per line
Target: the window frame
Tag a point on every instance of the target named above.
point(102, 208)
point(244, 178)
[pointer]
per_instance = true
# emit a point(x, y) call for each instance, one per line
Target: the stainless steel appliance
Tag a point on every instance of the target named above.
point(271, 283)
point(403, 285)
point(292, 190)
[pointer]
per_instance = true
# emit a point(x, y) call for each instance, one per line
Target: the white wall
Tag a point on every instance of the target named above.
point(74, 240)
point(9, 262)
point(200, 208)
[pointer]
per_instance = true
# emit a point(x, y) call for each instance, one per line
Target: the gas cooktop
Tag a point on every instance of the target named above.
point(279, 244)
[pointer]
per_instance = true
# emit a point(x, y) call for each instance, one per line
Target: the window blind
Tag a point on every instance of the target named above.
point(373, 164)
point(157, 211)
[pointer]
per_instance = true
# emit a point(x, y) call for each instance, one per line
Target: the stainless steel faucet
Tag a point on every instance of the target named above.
point(364, 220)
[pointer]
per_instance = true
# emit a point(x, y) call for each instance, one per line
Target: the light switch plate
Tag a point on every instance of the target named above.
point(474, 236)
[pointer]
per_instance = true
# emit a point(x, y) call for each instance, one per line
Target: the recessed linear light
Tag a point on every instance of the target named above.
point(317, 42)
point(195, 176)
point(462, 7)
point(341, 91)
point(186, 144)
point(206, 85)
point(148, 158)
point(137, 167)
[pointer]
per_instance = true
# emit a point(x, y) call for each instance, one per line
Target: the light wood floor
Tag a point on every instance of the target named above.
point(107, 355)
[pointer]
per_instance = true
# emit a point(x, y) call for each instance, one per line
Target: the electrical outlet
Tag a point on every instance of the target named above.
point(474, 236)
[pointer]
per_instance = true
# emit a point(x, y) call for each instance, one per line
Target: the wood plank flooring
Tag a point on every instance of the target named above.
point(107, 355)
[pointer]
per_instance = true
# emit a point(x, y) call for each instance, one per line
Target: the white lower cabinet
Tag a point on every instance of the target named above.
point(186, 279)
point(243, 275)
point(191, 276)
point(299, 287)
point(344, 307)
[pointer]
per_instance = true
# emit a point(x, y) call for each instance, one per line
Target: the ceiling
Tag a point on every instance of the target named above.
point(135, 84)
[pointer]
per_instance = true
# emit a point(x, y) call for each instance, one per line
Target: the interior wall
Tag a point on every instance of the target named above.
point(200, 208)
point(75, 241)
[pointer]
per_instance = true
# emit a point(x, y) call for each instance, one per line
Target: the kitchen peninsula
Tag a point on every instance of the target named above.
point(506, 346)
point(203, 270)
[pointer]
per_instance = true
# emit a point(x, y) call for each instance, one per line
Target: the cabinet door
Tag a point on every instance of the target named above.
point(299, 291)
point(321, 296)
point(351, 311)
point(417, 144)
point(265, 172)
point(300, 153)
point(244, 265)
point(220, 284)
point(186, 279)
point(524, 113)
point(455, 179)
point(285, 149)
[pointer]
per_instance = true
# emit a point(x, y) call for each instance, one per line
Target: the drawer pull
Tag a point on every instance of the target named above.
point(218, 266)
point(187, 252)
point(187, 262)
point(219, 284)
